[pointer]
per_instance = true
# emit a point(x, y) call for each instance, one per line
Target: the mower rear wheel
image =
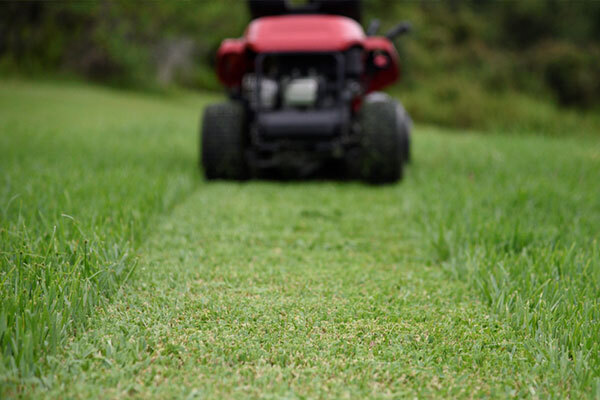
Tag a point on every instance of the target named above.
point(404, 123)
point(381, 154)
point(222, 142)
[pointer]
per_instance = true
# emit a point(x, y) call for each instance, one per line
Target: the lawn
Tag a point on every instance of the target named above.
point(123, 274)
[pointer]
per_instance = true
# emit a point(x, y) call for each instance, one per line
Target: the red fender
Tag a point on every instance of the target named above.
point(231, 62)
point(382, 51)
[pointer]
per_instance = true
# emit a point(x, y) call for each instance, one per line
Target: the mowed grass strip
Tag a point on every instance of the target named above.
point(477, 276)
point(82, 172)
point(312, 290)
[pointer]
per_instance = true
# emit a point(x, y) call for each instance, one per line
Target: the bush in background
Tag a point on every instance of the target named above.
point(462, 60)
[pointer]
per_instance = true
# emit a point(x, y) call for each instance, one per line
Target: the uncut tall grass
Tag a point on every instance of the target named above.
point(83, 174)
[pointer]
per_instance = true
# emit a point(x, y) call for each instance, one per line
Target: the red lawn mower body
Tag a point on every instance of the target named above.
point(306, 33)
point(302, 86)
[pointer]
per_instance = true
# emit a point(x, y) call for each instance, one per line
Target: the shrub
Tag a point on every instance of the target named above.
point(572, 73)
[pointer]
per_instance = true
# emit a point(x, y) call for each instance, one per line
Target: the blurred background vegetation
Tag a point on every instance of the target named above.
point(520, 66)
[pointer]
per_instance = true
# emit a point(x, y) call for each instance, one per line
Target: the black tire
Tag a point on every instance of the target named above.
point(404, 130)
point(222, 142)
point(380, 157)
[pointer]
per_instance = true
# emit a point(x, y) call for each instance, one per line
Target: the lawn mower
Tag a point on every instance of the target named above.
point(303, 88)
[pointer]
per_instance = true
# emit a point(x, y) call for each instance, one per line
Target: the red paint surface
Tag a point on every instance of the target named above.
point(306, 33)
point(386, 76)
point(303, 33)
point(231, 62)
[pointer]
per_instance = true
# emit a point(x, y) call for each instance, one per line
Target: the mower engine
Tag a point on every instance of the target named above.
point(300, 92)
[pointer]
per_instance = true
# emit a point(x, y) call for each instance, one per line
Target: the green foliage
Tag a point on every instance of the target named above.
point(466, 104)
point(477, 276)
point(525, 239)
point(115, 42)
point(466, 66)
point(83, 174)
point(571, 73)
point(544, 50)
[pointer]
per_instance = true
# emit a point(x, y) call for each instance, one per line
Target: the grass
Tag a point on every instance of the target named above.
point(477, 276)
point(461, 102)
point(83, 173)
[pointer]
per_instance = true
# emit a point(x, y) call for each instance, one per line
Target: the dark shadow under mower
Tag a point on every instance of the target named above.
point(304, 101)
